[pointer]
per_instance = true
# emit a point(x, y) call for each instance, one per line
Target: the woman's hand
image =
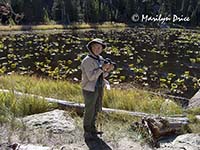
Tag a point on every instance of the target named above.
point(110, 68)
point(107, 67)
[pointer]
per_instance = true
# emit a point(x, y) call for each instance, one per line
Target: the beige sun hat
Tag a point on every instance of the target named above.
point(97, 40)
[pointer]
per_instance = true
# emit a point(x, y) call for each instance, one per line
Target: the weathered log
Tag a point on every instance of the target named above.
point(79, 107)
point(154, 129)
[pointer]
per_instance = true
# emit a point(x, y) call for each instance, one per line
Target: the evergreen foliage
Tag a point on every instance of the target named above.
point(95, 11)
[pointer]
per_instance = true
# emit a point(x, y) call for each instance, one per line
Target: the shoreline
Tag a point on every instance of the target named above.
point(60, 26)
point(75, 26)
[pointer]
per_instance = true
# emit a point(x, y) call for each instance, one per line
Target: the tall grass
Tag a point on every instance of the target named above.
point(131, 99)
point(44, 87)
point(12, 106)
point(194, 122)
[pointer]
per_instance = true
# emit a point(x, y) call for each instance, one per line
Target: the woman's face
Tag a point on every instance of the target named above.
point(96, 48)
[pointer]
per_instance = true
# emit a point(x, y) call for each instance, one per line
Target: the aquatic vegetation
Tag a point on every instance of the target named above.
point(150, 57)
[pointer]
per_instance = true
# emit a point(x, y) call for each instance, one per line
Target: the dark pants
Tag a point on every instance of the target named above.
point(93, 105)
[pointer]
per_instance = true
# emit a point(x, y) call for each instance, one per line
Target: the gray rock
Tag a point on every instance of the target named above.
point(198, 117)
point(18, 146)
point(56, 121)
point(195, 100)
point(129, 144)
point(74, 147)
point(186, 141)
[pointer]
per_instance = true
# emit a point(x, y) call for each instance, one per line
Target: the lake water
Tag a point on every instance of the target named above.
point(154, 58)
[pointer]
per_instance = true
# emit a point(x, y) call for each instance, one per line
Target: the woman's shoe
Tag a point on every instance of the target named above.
point(90, 136)
point(98, 132)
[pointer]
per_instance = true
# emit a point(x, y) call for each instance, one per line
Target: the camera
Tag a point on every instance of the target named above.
point(109, 61)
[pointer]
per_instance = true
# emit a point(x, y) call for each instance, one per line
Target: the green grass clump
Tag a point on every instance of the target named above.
point(195, 127)
point(44, 87)
point(131, 99)
point(194, 122)
point(138, 100)
point(194, 111)
point(134, 100)
point(12, 106)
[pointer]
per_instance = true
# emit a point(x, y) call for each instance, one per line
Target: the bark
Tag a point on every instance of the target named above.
point(157, 128)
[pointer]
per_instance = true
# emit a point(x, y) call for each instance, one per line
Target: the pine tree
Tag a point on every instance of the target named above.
point(58, 10)
point(184, 8)
point(46, 19)
point(105, 13)
point(93, 10)
point(67, 11)
point(131, 7)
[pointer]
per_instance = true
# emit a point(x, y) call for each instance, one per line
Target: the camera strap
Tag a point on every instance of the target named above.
point(96, 58)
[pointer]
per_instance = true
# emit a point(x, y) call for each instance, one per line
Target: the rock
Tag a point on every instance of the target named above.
point(17, 146)
point(129, 144)
point(74, 147)
point(185, 141)
point(195, 101)
point(56, 121)
point(198, 117)
point(188, 140)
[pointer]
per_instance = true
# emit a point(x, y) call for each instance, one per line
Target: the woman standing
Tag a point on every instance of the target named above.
point(94, 70)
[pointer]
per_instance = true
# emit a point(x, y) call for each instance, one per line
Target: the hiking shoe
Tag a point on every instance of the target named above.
point(97, 132)
point(90, 136)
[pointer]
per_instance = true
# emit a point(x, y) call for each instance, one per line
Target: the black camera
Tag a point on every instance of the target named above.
point(109, 61)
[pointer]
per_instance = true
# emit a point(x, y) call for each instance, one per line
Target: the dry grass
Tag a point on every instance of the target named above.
point(12, 106)
point(194, 122)
point(132, 99)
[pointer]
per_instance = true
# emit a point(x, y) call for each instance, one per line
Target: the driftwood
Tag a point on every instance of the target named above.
point(154, 129)
point(79, 108)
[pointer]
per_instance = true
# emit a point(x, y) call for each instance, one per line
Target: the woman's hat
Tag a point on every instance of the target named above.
point(97, 40)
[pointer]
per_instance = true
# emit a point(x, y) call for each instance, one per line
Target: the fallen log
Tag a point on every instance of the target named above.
point(79, 108)
point(154, 129)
